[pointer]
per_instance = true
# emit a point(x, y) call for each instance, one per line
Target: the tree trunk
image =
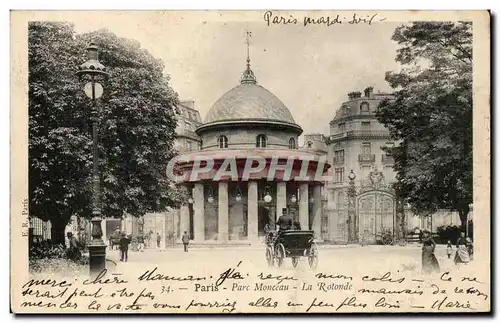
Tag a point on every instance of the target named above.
point(463, 214)
point(57, 232)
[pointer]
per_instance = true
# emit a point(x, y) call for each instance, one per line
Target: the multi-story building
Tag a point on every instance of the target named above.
point(357, 143)
point(188, 119)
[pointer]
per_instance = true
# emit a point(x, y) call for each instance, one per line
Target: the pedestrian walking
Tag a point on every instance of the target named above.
point(449, 249)
point(185, 241)
point(158, 240)
point(470, 248)
point(462, 255)
point(124, 242)
point(430, 263)
point(140, 242)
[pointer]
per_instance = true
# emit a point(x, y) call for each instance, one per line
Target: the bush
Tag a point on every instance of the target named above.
point(57, 266)
point(452, 233)
point(45, 250)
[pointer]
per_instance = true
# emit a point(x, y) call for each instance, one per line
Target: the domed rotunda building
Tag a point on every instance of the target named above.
point(251, 170)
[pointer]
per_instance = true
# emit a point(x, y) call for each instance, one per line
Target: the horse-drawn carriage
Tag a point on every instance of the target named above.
point(291, 244)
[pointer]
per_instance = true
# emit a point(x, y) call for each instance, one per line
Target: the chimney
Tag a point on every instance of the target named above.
point(369, 91)
point(354, 95)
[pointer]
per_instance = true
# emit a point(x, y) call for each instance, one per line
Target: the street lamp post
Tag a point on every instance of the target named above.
point(351, 210)
point(293, 208)
point(92, 69)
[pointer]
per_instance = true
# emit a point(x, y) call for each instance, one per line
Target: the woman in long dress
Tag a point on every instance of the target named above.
point(462, 255)
point(430, 263)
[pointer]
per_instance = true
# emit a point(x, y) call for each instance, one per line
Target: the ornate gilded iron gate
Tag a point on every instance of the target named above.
point(376, 210)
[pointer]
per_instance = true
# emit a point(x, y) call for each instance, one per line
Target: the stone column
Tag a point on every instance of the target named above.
point(253, 211)
point(304, 206)
point(280, 199)
point(184, 220)
point(317, 211)
point(223, 233)
point(104, 231)
point(199, 212)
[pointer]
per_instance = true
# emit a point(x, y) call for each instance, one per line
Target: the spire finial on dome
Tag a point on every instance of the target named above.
point(248, 76)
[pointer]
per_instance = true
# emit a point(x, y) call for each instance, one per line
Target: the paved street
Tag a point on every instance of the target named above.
point(349, 258)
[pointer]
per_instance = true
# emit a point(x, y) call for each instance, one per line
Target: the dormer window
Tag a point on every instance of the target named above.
point(222, 141)
point(291, 144)
point(365, 108)
point(261, 141)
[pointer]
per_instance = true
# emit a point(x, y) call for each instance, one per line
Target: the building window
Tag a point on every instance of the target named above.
point(189, 145)
point(344, 110)
point(261, 141)
point(365, 125)
point(222, 142)
point(388, 148)
point(291, 144)
point(365, 108)
point(367, 148)
point(342, 126)
point(339, 174)
point(339, 156)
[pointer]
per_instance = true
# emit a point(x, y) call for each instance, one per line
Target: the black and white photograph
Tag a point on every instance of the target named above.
point(238, 162)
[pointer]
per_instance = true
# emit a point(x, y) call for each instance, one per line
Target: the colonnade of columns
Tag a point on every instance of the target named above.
point(252, 211)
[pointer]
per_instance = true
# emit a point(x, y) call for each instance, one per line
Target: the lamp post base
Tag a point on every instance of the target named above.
point(97, 256)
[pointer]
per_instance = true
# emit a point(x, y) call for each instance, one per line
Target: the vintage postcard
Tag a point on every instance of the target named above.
point(226, 162)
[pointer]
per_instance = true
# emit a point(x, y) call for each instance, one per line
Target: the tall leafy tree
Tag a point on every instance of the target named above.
point(432, 116)
point(136, 128)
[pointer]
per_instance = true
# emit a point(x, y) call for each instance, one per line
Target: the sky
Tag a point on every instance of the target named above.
point(309, 68)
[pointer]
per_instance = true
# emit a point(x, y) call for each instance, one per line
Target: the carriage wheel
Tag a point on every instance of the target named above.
point(295, 261)
point(280, 255)
point(312, 256)
point(270, 256)
point(387, 239)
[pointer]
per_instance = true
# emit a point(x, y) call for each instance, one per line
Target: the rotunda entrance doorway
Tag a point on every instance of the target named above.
point(266, 216)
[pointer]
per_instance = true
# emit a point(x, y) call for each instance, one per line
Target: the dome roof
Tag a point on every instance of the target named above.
point(249, 104)
point(249, 101)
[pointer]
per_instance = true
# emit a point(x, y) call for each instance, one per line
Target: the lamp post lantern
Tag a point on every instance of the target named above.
point(92, 70)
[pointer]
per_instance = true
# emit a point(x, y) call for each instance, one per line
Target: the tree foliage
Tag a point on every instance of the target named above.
point(136, 127)
point(432, 116)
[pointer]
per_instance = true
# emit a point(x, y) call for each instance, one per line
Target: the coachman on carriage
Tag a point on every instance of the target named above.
point(290, 242)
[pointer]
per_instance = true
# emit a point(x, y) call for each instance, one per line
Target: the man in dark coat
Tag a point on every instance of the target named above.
point(124, 242)
point(285, 221)
point(158, 240)
point(185, 241)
